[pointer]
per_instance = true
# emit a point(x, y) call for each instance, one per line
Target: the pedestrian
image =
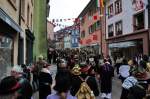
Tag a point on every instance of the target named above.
point(71, 61)
point(124, 70)
point(118, 63)
point(35, 72)
point(127, 84)
point(109, 59)
point(45, 81)
point(8, 88)
point(25, 92)
point(55, 55)
point(62, 86)
point(106, 73)
point(26, 72)
point(49, 55)
point(91, 81)
point(39, 63)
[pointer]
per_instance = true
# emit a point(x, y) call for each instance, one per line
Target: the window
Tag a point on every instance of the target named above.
point(90, 14)
point(82, 21)
point(92, 28)
point(13, 3)
point(76, 40)
point(110, 30)
point(118, 27)
point(73, 40)
point(76, 32)
point(118, 7)
point(82, 34)
point(22, 8)
point(98, 24)
point(138, 21)
point(28, 11)
point(110, 11)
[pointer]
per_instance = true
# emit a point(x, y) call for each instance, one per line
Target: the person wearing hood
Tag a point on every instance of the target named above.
point(45, 81)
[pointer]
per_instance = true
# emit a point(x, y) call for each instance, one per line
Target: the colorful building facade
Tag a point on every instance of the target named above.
point(127, 27)
point(90, 27)
point(75, 35)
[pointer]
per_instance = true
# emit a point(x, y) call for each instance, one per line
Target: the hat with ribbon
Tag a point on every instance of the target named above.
point(9, 85)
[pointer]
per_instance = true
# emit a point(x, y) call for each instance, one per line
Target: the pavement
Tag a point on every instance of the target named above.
point(116, 85)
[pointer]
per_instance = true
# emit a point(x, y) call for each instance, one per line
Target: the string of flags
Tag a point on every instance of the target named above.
point(57, 22)
point(60, 22)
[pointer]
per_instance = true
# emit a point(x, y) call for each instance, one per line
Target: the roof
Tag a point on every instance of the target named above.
point(85, 10)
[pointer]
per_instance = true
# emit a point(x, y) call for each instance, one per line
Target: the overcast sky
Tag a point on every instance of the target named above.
point(64, 9)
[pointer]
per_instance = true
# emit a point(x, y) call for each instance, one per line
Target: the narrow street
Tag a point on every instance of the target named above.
point(116, 87)
point(73, 33)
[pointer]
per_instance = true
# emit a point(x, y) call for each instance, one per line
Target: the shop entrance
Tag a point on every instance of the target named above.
point(127, 49)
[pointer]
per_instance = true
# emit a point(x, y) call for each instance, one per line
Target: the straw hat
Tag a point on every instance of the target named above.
point(76, 70)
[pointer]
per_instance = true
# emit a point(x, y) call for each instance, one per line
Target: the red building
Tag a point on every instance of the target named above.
point(91, 28)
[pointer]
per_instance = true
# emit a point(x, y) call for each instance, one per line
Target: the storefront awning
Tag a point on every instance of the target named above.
point(6, 18)
point(122, 44)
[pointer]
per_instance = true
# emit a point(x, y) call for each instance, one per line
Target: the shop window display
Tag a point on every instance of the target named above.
point(6, 59)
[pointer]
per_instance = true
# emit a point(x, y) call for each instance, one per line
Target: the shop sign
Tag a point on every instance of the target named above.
point(122, 45)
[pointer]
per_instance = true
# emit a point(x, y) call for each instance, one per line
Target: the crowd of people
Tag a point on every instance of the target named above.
point(80, 75)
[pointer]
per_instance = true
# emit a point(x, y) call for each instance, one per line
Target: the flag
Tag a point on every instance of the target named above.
point(95, 17)
point(100, 3)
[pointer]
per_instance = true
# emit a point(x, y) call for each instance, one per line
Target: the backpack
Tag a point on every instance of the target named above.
point(84, 91)
point(138, 91)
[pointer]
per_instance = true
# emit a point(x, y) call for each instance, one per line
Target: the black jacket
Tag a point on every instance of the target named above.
point(76, 82)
